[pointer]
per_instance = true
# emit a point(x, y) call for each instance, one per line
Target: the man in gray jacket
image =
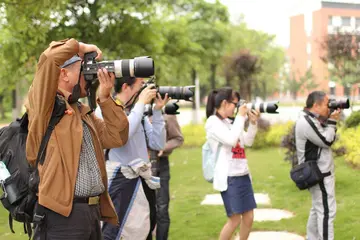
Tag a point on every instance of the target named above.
point(315, 133)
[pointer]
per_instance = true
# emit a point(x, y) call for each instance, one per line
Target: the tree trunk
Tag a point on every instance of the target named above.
point(228, 80)
point(196, 99)
point(264, 90)
point(193, 77)
point(245, 88)
point(2, 109)
point(212, 75)
point(13, 104)
point(294, 94)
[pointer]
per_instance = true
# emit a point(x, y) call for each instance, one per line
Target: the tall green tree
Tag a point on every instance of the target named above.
point(264, 81)
point(297, 83)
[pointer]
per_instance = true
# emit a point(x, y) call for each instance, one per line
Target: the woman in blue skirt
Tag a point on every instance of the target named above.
point(231, 175)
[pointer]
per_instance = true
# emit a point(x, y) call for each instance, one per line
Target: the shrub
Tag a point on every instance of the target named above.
point(194, 135)
point(338, 146)
point(350, 139)
point(353, 120)
point(277, 132)
point(267, 136)
point(271, 136)
point(288, 142)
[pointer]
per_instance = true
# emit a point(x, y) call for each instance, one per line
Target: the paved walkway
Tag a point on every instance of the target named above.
point(260, 215)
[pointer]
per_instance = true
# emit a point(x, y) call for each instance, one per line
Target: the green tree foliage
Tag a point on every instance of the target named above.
point(298, 83)
point(185, 38)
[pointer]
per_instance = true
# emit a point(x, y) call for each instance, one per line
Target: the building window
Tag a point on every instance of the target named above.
point(346, 91)
point(309, 63)
point(330, 21)
point(346, 21)
point(332, 87)
point(357, 22)
point(332, 91)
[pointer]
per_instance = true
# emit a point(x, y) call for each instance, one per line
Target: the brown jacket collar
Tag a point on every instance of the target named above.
point(84, 109)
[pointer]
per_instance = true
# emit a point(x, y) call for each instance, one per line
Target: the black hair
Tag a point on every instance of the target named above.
point(315, 97)
point(119, 82)
point(216, 97)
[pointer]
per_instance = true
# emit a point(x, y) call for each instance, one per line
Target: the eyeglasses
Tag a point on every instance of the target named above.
point(235, 103)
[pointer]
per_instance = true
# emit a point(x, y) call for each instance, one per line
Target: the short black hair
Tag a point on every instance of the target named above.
point(119, 82)
point(315, 97)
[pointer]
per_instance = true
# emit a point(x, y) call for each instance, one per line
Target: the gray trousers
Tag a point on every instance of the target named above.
point(320, 225)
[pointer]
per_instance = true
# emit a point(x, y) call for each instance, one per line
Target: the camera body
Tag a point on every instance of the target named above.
point(342, 104)
point(137, 67)
point(169, 109)
point(263, 107)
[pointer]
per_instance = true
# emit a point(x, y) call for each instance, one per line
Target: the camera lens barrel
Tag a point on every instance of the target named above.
point(137, 67)
point(263, 107)
point(342, 104)
point(183, 93)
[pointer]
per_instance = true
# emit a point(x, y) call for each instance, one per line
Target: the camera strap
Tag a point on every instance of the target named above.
point(76, 91)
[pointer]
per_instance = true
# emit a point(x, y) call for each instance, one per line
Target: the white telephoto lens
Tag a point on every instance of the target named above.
point(117, 68)
point(265, 106)
point(132, 68)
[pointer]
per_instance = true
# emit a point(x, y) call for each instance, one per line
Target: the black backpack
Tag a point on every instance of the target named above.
point(20, 189)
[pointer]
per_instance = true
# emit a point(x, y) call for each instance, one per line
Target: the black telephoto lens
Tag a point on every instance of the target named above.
point(342, 104)
point(144, 67)
point(184, 93)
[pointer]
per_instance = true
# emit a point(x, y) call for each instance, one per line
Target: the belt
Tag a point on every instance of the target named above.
point(89, 200)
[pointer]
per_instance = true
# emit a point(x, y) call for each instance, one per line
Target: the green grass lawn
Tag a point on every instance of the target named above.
point(270, 174)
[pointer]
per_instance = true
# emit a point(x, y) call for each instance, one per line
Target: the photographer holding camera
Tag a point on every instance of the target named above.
point(231, 174)
point(131, 184)
point(72, 192)
point(161, 168)
point(314, 135)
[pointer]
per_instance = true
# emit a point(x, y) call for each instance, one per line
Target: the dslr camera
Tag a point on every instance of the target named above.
point(171, 108)
point(137, 67)
point(180, 93)
point(342, 104)
point(263, 107)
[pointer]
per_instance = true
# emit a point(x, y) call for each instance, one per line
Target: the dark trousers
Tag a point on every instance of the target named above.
point(162, 200)
point(82, 224)
point(151, 197)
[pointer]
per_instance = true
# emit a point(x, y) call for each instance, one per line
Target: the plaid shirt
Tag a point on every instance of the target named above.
point(88, 180)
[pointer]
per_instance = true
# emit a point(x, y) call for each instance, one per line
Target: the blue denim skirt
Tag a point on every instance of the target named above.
point(239, 196)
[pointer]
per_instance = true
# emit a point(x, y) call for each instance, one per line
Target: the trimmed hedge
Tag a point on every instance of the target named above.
point(267, 136)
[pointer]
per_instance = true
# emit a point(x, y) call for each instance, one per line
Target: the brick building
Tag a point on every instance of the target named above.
point(308, 27)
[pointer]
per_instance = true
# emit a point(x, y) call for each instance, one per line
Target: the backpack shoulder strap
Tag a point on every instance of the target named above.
point(57, 113)
point(218, 152)
point(312, 124)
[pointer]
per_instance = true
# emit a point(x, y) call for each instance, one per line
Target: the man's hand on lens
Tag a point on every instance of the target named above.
point(253, 116)
point(85, 48)
point(161, 102)
point(147, 94)
point(242, 110)
point(107, 81)
point(335, 114)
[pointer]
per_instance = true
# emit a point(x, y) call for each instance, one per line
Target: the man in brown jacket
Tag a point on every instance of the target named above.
point(73, 194)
